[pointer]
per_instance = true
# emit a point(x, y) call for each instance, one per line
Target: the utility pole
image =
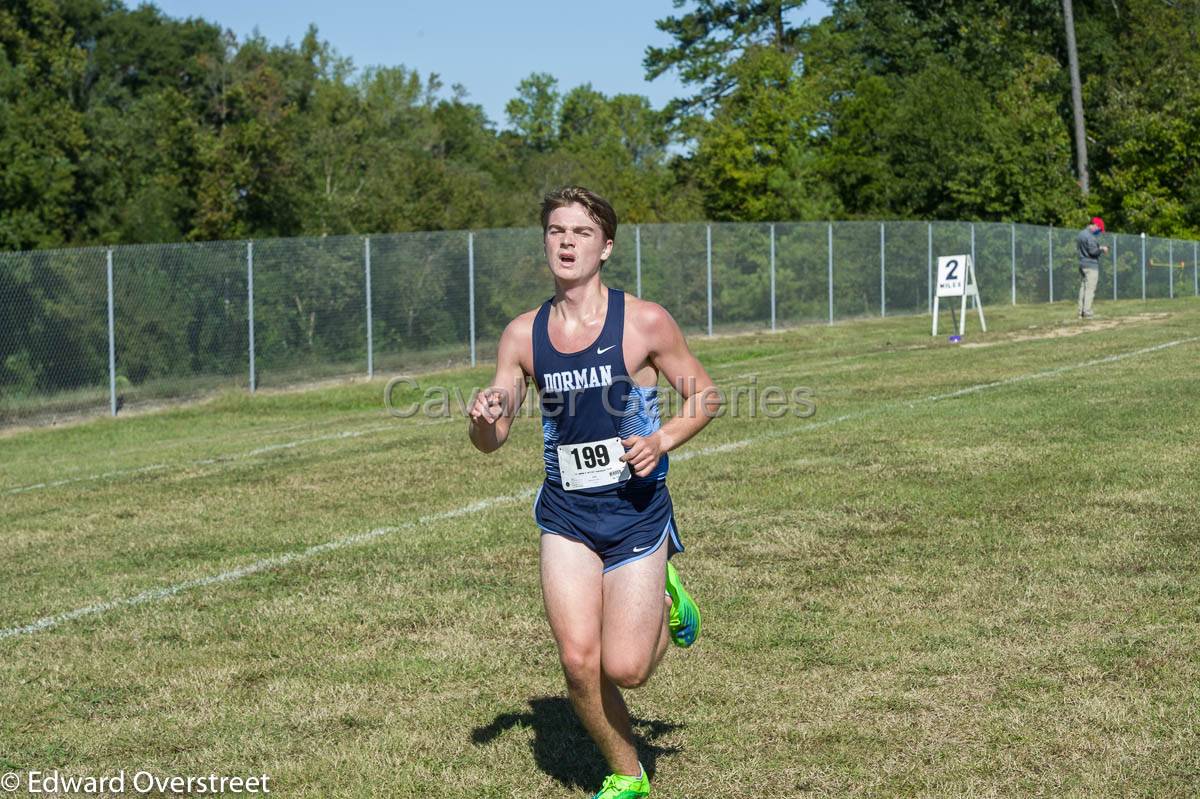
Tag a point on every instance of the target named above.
point(1081, 159)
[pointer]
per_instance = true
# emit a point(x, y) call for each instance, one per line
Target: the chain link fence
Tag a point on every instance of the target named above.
point(88, 331)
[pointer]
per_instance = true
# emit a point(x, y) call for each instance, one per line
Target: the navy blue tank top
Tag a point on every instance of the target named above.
point(589, 395)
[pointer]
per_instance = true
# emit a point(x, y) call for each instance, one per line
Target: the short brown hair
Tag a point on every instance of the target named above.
point(598, 208)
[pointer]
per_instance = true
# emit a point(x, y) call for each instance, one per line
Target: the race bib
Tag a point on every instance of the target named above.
point(592, 464)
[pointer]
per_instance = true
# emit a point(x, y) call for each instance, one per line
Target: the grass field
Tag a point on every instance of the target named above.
point(974, 572)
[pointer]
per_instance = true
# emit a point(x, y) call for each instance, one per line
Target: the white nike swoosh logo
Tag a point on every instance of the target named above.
point(603, 350)
point(641, 549)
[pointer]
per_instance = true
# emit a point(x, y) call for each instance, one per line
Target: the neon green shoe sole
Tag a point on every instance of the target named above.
point(685, 615)
point(620, 786)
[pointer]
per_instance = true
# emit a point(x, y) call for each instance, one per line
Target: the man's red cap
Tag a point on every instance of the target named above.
point(1098, 222)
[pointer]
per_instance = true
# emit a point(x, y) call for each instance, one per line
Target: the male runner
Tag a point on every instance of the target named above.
point(607, 523)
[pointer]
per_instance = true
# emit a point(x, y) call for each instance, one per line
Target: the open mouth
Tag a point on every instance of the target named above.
point(566, 258)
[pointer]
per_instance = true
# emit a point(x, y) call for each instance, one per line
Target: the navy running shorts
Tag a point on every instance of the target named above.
point(621, 526)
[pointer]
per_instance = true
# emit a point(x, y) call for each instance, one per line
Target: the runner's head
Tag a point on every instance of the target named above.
point(578, 227)
point(597, 207)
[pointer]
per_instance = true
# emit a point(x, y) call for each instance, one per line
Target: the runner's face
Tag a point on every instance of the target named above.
point(575, 244)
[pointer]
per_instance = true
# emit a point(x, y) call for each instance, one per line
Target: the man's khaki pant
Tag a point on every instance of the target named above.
point(1088, 278)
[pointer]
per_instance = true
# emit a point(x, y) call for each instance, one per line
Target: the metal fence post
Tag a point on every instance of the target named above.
point(112, 340)
point(772, 278)
point(974, 300)
point(1013, 235)
point(830, 238)
point(1114, 266)
point(929, 268)
point(1171, 268)
point(882, 270)
point(974, 258)
point(370, 338)
point(250, 309)
point(1050, 260)
point(637, 245)
point(471, 289)
point(1143, 267)
point(1195, 276)
point(708, 240)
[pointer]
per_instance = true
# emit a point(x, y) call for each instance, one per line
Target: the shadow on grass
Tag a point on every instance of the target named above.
point(561, 746)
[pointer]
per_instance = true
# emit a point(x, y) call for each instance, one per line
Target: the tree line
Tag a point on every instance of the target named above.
point(123, 125)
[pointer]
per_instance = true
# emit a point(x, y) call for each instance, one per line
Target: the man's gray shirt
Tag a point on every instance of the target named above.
point(1088, 244)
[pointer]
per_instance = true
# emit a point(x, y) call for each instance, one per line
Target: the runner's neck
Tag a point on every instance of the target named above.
point(582, 303)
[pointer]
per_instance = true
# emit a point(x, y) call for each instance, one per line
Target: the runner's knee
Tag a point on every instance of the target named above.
point(580, 662)
point(626, 671)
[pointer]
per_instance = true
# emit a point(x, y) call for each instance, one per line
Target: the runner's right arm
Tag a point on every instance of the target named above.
point(496, 406)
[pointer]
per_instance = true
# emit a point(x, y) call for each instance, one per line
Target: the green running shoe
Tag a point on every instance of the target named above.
point(619, 786)
point(685, 615)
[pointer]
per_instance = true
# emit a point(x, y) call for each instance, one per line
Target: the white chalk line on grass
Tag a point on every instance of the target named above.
point(158, 467)
point(279, 561)
point(257, 566)
point(1060, 369)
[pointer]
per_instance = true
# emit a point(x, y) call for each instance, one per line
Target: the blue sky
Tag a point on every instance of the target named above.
point(486, 46)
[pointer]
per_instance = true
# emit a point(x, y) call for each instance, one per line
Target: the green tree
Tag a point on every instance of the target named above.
point(755, 159)
point(534, 112)
point(142, 98)
point(1149, 121)
point(754, 120)
point(713, 38)
point(249, 158)
point(42, 135)
point(618, 147)
point(1022, 170)
point(950, 110)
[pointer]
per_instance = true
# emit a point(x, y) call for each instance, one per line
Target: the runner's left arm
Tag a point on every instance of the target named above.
point(670, 355)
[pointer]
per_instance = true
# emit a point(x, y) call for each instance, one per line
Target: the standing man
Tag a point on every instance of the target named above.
point(1090, 250)
point(608, 527)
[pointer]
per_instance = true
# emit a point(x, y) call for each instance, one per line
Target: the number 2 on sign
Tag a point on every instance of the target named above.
point(950, 267)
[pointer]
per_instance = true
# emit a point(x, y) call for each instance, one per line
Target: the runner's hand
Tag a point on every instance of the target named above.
point(488, 406)
point(642, 453)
